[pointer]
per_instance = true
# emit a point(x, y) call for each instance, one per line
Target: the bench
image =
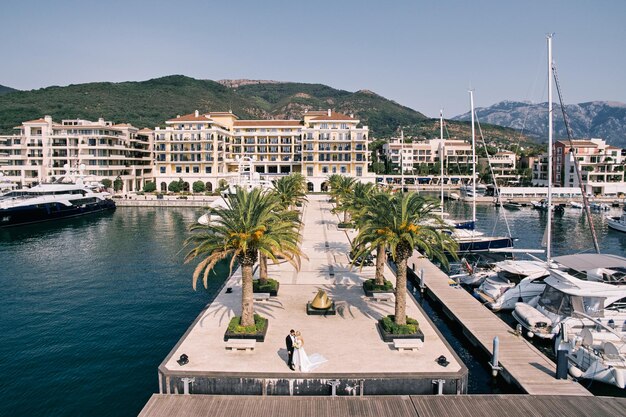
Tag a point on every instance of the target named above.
point(241, 344)
point(407, 344)
point(261, 296)
point(382, 296)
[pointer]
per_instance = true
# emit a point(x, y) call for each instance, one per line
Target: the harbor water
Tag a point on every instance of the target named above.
point(91, 306)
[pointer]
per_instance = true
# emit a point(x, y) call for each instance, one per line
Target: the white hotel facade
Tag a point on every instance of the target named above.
point(42, 148)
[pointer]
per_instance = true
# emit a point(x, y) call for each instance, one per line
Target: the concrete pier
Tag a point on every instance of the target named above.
point(357, 357)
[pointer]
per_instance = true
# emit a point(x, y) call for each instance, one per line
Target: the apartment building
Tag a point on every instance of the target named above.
point(422, 158)
point(503, 165)
point(42, 150)
point(601, 166)
point(208, 147)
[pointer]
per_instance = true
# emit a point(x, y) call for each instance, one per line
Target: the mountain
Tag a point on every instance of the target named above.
point(149, 103)
point(597, 119)
point(5, 89)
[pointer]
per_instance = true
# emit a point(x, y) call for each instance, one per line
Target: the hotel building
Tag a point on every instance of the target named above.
point(209, 147)
point(422, 158)
point(601, 165)
point(42, 150)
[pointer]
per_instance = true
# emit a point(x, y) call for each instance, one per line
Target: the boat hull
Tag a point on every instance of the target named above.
point(17, 216)
point(484, 245)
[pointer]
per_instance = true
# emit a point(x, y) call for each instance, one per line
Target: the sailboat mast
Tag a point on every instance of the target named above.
point(402, 161)
point(550, 128)
point(441, 154)
point(471, 92)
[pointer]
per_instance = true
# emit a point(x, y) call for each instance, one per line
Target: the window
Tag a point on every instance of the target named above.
point(196, 170)
point(162, 169)
point(324, 170)
point(309, 171)
point(343, 169)
point(179, 170)
point(359, 171)
point(186, 170)
point(207, 170)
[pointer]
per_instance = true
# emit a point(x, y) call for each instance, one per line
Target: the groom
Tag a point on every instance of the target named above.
point(290, 340)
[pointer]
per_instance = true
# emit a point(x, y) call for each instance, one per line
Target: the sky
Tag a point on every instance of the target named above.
point(422, 54)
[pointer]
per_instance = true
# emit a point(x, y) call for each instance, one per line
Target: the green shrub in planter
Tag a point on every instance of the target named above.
point(369, 285)
point(411, 326)
point(270, 286)
point(343, 225)
point(259, 325)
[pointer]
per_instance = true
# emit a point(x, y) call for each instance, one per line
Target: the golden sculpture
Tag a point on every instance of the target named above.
point(321, 301)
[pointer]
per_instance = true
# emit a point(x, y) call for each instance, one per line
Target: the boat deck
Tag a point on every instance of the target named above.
point(523, 364)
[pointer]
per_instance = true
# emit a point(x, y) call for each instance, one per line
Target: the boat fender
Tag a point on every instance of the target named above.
point(575, 372)
point(618, 374)
point(530, 334)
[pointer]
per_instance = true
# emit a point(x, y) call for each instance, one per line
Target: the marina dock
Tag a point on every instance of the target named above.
point(522, 363)
point(388, 406)
point(358, 360)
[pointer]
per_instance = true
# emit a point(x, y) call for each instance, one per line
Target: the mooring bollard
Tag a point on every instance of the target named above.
point(186, 382)
point(422, 284)
point(561, 355)
point(333, 386)
point(494, 358)
point(439, 383)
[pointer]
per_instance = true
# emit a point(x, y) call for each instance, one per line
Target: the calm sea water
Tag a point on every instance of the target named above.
point(90, 307)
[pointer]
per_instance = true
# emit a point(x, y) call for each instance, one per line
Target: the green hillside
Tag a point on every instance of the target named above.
point(4, 89)
point(150, 103)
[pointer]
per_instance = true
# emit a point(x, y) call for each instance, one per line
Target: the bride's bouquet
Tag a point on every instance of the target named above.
point(297, 344)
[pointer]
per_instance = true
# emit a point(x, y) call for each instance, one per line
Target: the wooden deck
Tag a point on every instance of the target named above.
point(523, 364)
point(161, 405)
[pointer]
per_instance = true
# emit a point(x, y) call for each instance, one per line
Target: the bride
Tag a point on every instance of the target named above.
point(301, 360)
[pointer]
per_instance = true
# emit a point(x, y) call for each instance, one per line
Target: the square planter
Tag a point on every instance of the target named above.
point(259, 336)
point(388, 337)
point(370, 293)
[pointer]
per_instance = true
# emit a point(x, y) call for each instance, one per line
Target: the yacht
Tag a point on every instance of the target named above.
point(51, 202)
point(515, 281)
point(576, 303)
point(618, 222)
point(597, 354)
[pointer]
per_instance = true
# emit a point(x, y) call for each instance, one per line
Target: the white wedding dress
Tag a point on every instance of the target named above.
point(306, 363)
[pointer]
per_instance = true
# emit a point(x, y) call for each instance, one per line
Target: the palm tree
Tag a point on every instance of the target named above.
point(290, 190)
point(252, 223)
point(341, 189)
point(404, 223)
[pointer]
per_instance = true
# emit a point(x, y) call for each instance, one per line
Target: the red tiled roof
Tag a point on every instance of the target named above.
point(191, 118)
point(333, 116)
point(579, 143)
point(145, 130)
point(37, 121)
point(612, 147)
point(123, 125)
point(242, 123)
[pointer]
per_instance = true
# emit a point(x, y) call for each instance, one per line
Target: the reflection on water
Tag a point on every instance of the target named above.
point(90, 307)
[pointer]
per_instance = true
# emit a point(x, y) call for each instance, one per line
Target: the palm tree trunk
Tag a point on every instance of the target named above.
point(380, 265)
point(400, 314)
point(345, 216)
point(262, 269)
point(247, 300)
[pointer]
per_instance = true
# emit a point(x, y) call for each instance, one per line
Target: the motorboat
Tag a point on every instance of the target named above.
point(617, 223)
point(512, 205)
point(474, 275)
point(542, 205)
point(515, 281)
point(597, 354)
point(599, 206)
point(474, 241)
point(53, 201)
point(576, 303)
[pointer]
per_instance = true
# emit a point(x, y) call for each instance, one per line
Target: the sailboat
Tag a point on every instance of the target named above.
point(471, 240)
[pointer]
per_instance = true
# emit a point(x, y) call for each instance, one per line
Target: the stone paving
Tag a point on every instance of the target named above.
point(349, 340)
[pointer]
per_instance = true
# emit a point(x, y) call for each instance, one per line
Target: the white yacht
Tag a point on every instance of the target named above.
point(575, 302)
point(246, 178)
point(54, 201)
point(515, 281)
point(598, 354)
point(617, 222)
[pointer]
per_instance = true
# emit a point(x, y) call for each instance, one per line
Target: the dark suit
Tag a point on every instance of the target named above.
point(289, 343)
